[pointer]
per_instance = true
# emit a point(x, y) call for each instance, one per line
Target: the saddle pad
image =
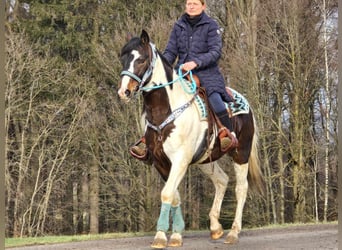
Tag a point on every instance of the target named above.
point(240, 104)
point(201, 108)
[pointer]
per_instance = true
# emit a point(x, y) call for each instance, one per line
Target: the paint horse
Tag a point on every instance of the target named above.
point(178, 134)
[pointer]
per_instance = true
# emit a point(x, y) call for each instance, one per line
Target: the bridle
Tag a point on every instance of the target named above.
point(188, 89)
point(148, 72)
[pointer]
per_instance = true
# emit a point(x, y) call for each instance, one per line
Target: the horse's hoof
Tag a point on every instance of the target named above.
point(232, 238)
point(175, 240)
point(216, 234)
point(160, 241)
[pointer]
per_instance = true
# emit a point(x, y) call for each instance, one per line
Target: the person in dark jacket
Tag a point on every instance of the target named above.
point(196, 42)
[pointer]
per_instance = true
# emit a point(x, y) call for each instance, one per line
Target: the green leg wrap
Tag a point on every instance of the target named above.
point(177, 219)
point(163, 221)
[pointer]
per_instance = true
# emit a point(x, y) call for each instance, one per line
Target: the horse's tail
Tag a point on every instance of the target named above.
point(255, 176)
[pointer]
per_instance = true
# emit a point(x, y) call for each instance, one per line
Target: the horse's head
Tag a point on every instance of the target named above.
point(136, 59)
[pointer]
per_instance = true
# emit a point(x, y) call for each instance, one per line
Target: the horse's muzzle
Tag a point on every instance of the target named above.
point(125, 96)
point(127, 92)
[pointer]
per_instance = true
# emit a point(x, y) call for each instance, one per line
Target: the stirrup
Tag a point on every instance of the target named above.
point(139, 152)
point(228, 141)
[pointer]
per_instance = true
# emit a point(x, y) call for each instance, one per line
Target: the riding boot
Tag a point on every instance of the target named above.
point(227, 136)
point(138, 150)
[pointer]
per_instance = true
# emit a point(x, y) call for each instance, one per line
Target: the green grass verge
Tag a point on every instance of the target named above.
point(287, 225)
point(29, 241)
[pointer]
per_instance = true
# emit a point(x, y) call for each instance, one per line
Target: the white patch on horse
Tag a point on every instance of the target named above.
point(241, 189)
point(158, 75)
point(220, 180)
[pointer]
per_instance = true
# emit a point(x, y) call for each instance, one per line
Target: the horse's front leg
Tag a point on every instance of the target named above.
point(178, 224)
point(170, 203)
point(220, 181)
point(241, 188)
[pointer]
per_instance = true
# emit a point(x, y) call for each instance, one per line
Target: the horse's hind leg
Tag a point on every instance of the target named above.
point(220, 180)
point(241, 172)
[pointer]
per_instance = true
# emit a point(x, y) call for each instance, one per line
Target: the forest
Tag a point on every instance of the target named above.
point(68, 169)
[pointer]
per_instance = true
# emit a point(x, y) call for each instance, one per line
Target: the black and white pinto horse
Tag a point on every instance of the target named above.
point(178, 135)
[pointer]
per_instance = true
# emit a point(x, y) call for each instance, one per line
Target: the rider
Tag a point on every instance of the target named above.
point(196, 41)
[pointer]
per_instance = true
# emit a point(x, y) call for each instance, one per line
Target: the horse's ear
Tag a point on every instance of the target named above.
point(129, 36)
point(145, 39)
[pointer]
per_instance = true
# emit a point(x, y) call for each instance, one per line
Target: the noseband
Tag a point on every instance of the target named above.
point(148, 72)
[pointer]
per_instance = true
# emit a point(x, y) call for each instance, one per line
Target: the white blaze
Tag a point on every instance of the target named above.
point(125, 79)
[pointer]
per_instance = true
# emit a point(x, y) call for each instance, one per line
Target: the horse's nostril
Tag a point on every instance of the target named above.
point(127, 92)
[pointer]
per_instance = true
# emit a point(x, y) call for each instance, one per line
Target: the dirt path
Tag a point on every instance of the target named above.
point(295, 237)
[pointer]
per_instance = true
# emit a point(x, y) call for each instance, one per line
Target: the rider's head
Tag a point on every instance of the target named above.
point(194, 7)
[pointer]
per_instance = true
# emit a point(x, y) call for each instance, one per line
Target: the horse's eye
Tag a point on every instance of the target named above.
point(140, 61)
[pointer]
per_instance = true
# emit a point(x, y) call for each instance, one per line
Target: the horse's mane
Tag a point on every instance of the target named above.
point(168, 68)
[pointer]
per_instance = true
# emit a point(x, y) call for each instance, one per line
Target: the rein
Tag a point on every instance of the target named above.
point(180, 79)
point(188, 87)
point(177, 112)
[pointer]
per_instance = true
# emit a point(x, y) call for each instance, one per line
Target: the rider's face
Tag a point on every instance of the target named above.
point(194, 7)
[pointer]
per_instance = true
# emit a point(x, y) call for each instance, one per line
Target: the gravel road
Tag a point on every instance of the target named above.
point(293, 237)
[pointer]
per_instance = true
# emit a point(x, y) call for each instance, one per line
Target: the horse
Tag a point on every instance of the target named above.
point(178, 134)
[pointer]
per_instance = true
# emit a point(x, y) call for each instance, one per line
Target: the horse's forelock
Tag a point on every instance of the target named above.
point(131, 45)
point(134, 44)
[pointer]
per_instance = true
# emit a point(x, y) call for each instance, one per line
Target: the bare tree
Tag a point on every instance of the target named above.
point(41, 154)
point(68, 169)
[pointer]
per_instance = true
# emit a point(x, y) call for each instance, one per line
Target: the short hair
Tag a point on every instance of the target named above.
point(202, 2)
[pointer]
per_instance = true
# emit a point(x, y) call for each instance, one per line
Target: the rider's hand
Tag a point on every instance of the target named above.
point(189, 66)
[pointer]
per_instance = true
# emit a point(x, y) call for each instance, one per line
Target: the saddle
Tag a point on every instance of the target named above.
point(212, 117)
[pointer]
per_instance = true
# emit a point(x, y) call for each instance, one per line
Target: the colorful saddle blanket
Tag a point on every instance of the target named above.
point(239, 106)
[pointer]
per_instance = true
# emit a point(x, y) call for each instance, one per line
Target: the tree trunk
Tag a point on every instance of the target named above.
point(75, 206)
point(298, 163)
point(282, 183)
point(94, 195)
point(327, 115)
point(85, 202)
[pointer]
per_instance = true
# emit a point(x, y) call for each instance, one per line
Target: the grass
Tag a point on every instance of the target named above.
point(30, 241)
point(287, 225)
